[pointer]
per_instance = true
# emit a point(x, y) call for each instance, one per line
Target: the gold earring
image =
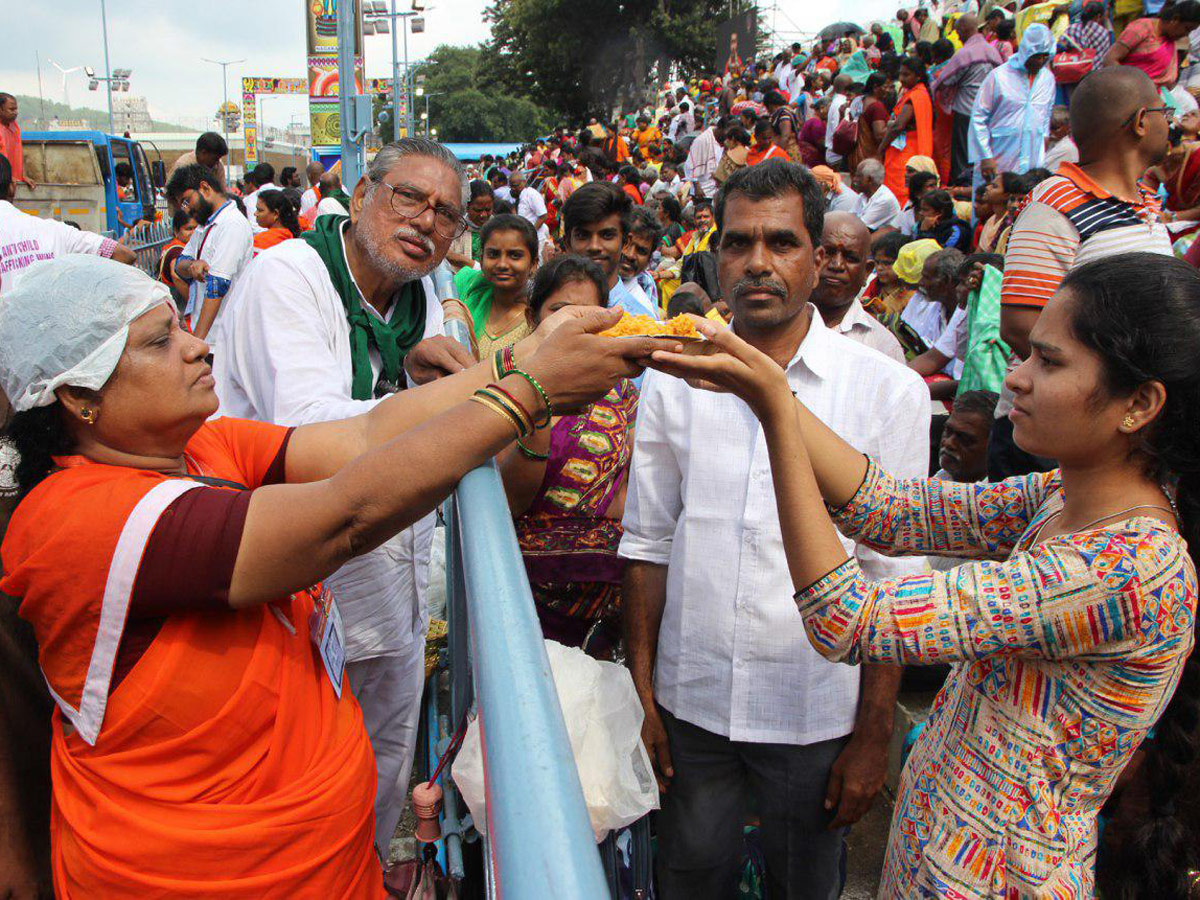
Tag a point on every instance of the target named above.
point(1128, 421)
point(88, 415)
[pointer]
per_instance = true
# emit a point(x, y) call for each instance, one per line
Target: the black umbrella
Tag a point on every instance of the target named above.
point(838, 29)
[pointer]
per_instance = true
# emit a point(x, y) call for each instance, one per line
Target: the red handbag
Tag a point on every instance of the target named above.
point(1070, 66)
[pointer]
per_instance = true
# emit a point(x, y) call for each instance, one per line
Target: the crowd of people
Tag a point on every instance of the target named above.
point(945, 429)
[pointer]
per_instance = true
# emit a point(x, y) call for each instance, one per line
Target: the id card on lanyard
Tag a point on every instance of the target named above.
point(325, 629)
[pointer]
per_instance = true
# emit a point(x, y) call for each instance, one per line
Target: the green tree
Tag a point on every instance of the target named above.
point(584, 59)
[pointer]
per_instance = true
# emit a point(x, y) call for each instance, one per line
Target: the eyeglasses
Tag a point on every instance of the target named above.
point(1165, 110)
point(408, 202)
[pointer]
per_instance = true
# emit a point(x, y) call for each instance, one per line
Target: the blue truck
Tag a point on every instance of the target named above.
point(75, 177)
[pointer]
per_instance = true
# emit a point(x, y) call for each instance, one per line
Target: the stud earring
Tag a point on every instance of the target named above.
point(1128, 421)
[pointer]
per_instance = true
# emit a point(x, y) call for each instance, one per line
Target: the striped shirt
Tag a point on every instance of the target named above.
point(1069, 220)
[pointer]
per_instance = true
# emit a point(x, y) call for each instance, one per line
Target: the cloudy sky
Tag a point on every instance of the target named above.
point(163, 43)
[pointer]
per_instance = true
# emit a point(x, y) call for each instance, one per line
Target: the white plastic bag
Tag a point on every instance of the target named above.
point(604, 724)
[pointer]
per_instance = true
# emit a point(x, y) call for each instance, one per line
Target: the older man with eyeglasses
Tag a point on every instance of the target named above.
point(324, 327)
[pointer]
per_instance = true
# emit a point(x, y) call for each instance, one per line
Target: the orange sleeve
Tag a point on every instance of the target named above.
point(1041, 250)
point(241, 450)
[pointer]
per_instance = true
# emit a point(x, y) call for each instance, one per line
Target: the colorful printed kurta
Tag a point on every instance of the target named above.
point(1065, 653)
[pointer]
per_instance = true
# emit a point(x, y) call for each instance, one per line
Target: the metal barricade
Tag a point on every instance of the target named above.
point(539, 838)
point(146, 240)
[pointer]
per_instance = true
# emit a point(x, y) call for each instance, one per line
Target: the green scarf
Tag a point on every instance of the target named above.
point(394, 338)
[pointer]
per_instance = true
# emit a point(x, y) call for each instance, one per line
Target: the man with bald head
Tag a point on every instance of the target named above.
point(310, 198)
point(956, 86)
point(842, 275)
point(1095, 208)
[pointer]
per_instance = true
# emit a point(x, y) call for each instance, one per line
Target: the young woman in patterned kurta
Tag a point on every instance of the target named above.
point(566, 488)
point(1072, 618)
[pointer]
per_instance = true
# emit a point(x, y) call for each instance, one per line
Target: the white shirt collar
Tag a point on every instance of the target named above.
point(856, 317)
point(815, 351)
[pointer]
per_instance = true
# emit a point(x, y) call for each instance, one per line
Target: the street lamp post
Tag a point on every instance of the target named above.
point(421, 92)
point(224, 64)
point(379, 13)
point(107, 70)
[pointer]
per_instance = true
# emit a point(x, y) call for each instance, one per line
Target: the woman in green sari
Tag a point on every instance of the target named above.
point(496, 294)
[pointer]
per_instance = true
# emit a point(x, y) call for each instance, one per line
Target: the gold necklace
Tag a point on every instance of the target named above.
point(1038, 534)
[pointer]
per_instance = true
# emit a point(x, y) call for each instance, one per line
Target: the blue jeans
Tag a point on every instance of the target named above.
point(717, 781)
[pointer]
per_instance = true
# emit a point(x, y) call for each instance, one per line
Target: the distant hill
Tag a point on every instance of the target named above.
point(30, 117)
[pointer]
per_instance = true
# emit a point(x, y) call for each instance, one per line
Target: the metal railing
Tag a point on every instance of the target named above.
point(146, 240)
point(539, 842)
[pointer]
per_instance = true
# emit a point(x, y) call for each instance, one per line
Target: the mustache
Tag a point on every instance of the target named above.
point(770, 285)
point(411, 234)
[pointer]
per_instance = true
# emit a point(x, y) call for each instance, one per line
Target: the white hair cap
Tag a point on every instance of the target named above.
point(66, 323)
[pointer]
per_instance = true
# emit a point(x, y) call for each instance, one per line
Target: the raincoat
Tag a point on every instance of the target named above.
point(1011, 116)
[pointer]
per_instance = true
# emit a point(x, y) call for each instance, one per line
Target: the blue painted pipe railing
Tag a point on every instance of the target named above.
point(540, 839)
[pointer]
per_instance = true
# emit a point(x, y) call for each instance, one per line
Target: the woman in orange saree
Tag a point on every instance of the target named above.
point(204, 743)
point(909, 132)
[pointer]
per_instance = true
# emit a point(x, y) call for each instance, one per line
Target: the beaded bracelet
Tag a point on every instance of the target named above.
point(531, 454)
point(541, 392)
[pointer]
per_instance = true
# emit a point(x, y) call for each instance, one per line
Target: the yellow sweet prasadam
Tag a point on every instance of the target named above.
point(631, 325)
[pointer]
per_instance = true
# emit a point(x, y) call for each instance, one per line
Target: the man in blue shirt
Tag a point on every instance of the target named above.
point(595, 224)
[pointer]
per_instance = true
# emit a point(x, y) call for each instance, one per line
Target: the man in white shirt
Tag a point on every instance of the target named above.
point(741, 712)
point(837, 111)
point(310, 198)
point(704, 156)
point(217, 251)
point(317, 331)
point(843, 275)
point(683, 124)
point(25, 239)
point(531, 206)
point(1060, 146)
point(877, 205)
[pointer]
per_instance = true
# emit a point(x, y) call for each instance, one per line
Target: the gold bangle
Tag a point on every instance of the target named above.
point(498, 410)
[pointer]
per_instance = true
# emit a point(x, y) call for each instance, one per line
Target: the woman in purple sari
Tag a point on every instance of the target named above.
point(566, 489)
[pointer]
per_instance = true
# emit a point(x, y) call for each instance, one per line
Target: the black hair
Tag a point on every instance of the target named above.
point(1005, 29)
point(211, 142)
point(942, 50)
point(5, 97)
point(738, 135)
point(509, 222)
point(630, 174)
point(179, 219)
point(644, 222)
point(1013, 183)
point(889, 244)
point(940, 202)
point(874, 81)
point(995, 260)
point(1091, 11)
point(123, 170)
point(683, 301)
point(774, 178)
point(923, 50)
point(286, 174)
point(1140, 313)
point(671, 206)
point(6, 178)
point(919, 182)
point(591, 202)
point(189, 178)
point(1034, 177)
point(977, 403)
point(480, 188)
point(773, 98)
point(502, 207)
point(702, 203)
point(917, 67)
point(279, 203)
point(38, 435)
point(561, 271)
point(999, 14)
point(1183, 11)
point(264, 173)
